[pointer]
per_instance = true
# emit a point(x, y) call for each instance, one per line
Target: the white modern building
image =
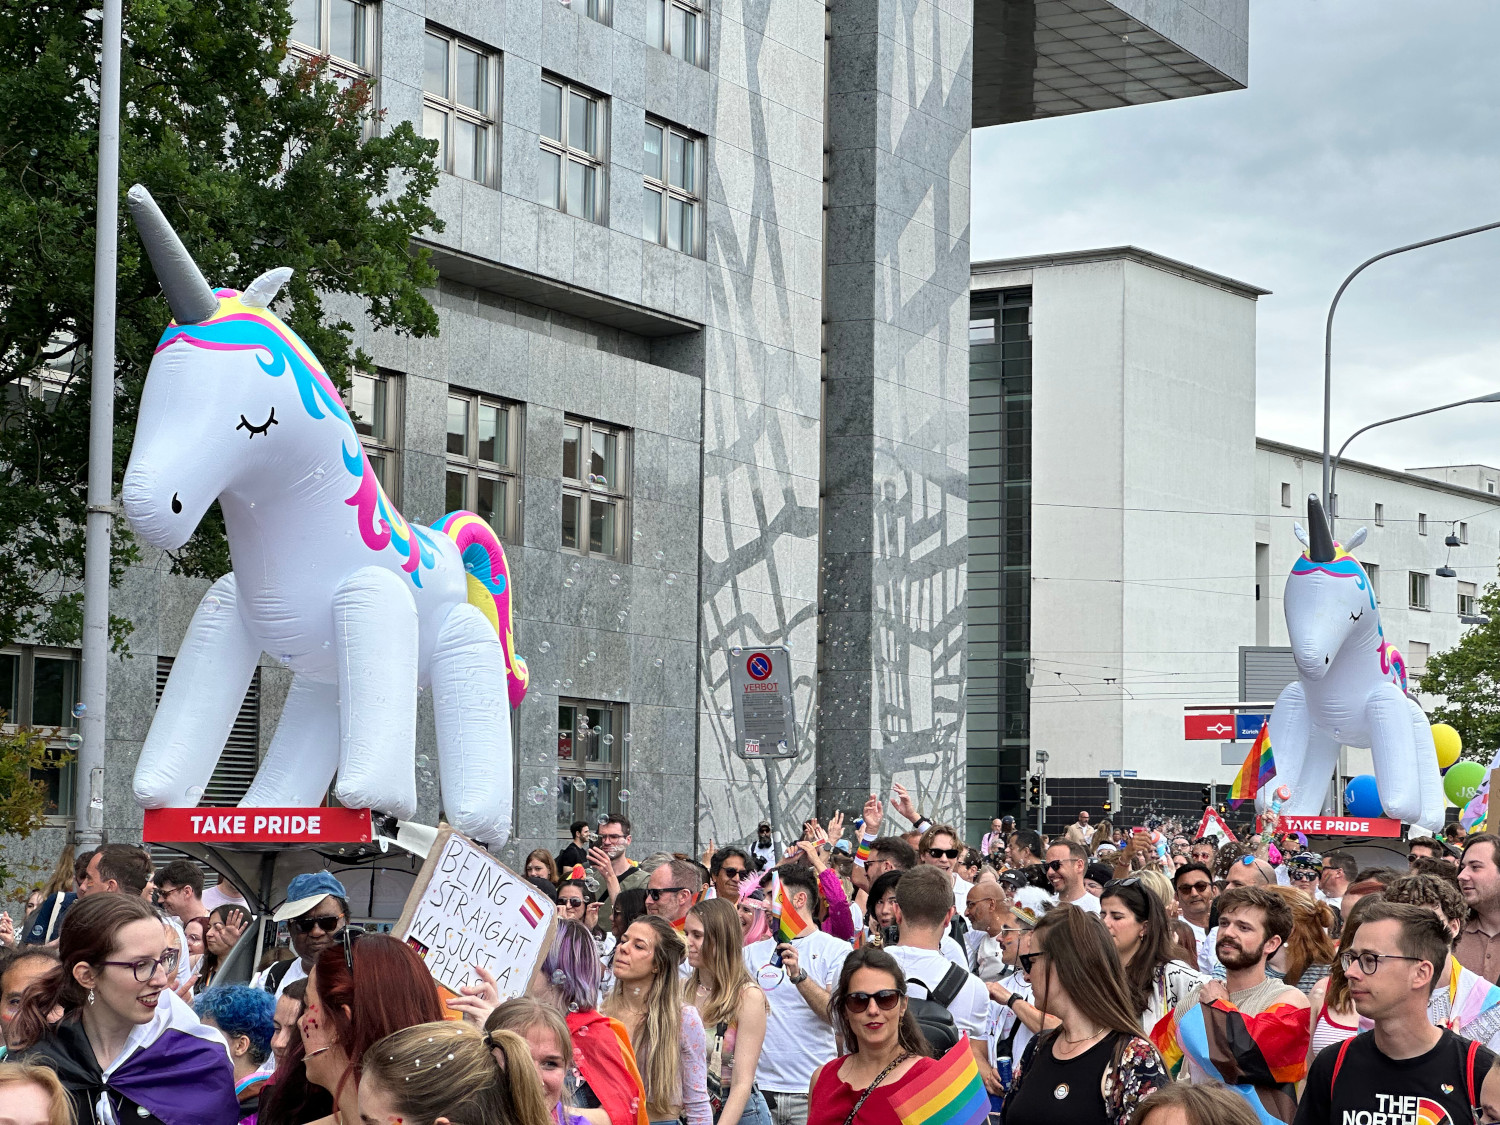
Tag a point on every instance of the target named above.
point(1130, 536)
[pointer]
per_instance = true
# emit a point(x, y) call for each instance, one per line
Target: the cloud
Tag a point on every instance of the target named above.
point(1367, 124)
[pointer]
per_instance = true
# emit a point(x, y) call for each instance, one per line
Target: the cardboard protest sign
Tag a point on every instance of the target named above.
point(466, 909)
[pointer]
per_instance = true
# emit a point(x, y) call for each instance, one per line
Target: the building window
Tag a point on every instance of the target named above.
point(39, 688)
point(1416, 657)
point(1421, 523)
point(483, 461)
point(596, 477)
point(1489, 486)
point(1468, 599)
point(1379, 515)
point(1463, 532)
point(374, 404)
point(240, 758)
point(590, 760)
point(1418, 586)
point(340, 28)
point(674, 167)
point(571, 174)
point(600, 11)
point(1286, 489)
point(1372, 571)
point(677, 27)
point(458, 80)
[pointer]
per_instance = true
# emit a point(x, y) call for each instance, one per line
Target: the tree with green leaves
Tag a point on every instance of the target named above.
point(23, 798)
point(1467, 676)
point(260, 158)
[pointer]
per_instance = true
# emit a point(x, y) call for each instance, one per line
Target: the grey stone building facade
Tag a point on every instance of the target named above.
point(704, 357)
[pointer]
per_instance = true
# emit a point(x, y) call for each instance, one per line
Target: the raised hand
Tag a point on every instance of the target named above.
point(836, 827)
point(901, 801)
point(874, 814)
point(477, 1001)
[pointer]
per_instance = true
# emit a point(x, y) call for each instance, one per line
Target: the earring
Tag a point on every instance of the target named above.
point(91, 997)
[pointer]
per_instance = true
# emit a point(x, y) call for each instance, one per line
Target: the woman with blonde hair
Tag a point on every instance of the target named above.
point(667, 1035)
point(733, 1009)
point(32, 1095)
point(541, 865)
point(547, 1038)
point(449, 1073)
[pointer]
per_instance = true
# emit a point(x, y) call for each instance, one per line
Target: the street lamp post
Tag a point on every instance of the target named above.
point(1328, 344)
point(1331, 469)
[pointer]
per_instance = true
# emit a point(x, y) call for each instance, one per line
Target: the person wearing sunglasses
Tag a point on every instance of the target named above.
point(1392, 966)
point(1303, 872)
point(1193, 884)
point(887, 1056)
point(1065, 866)
point(727, 871)
point(672, 889)
point(316, 911)
point(940, 847)
point(113, 982)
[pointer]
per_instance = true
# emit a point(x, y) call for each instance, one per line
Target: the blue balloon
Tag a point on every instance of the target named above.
point(1361, 797)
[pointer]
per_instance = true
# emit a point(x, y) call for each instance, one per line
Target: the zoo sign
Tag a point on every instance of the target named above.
point(764, 716)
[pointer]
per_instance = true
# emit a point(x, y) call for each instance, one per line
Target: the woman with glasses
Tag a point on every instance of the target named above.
point(1155, 977)
point(361, 989)
point(666, 1034)
point(1096, 1066)
point(887, 1056)
point(114, 984)
point(733, 1009)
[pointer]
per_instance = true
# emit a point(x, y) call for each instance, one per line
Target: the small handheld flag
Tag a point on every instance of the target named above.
point(949, 1092)
point(790, 922)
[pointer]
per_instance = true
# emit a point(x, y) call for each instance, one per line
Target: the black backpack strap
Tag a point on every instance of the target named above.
point(950, 986)
point(277, 974)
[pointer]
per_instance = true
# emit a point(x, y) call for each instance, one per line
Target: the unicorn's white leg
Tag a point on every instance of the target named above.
point(1429, 778)
point(472, 709)
point(1394, 750)
point(304, 752)
point(375, 637)
point(199, 704)
point(1318, 764)
point(1290, 727)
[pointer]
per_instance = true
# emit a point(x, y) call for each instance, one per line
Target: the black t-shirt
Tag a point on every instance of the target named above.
point(1062, 1091)
point(1432, 1088)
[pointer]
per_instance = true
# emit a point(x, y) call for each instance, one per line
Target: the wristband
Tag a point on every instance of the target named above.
point(1011, 1002)
point(862, 853)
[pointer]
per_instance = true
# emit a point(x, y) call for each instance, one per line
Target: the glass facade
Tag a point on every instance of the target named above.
point(999, 698)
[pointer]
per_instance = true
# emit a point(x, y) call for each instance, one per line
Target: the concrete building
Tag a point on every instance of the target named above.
point(705, 279)
point(1130, 537)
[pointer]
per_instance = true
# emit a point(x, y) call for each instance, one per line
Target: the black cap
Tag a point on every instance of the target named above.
point(1100, 873)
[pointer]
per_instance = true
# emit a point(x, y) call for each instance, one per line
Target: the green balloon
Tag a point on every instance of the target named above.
point(1461, 781)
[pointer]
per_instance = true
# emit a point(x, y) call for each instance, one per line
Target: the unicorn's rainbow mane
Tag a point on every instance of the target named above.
point(240, 327)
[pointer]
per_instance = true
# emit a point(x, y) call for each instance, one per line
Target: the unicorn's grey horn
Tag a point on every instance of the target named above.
point(1321, 548)
point(191, 299)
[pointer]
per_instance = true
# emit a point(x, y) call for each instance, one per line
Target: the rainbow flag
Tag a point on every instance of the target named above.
point(947, 1092)
point(1258, 770)
point(790, 922)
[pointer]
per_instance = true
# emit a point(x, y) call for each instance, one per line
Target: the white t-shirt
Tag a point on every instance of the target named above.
point(1085, 902)
point(953, 951)
point(924, 969)
point(986, 955)
point(296, 972)
point(961, 889)
point(1006, 1019)
point(798, 1040)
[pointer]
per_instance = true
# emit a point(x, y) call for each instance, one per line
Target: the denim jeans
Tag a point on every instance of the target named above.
point(786, 1109)
point(756, 1111)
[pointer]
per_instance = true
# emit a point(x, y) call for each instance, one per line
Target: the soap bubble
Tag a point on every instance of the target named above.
point(537, 795)
point(609, 740)
point(591, 884)
point(736, 651)
point(627, 738)
point(318, 473)
point(614, 579)
point(75, 741)
point(591, 657)
point(567, 582)
point(568, 682)
point(79, 710)
point(657, 662)
point(544, 647)
point(659, 555)
point(423, 761)
point(636, 535)
point(195, 794)
point(671, 578)
point(559, 977)
point(572, 1006)
point(624, 795)
point(597, 731)
point(576, 567)
point(210, 604)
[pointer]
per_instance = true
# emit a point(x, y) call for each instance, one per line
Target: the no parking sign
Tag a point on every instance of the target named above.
point(764, 719)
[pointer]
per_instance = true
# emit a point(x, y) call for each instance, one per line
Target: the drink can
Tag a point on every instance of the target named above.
point(1006, 1070)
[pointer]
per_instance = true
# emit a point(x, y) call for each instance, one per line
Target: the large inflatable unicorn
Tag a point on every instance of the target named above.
point(1350, 689)
point(327, 577)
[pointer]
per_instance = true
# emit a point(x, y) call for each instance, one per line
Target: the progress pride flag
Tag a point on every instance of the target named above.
point(258, 826)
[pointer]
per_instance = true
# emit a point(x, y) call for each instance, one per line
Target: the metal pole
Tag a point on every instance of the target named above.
point(1339, 456)
point(1328, 343)
point(773, 802)
point(88, 806)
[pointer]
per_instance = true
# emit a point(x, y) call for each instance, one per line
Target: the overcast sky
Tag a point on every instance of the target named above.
point(1367, 124)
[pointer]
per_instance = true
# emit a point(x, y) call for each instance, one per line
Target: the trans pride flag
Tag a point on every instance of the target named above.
point(948, 1092)
point(1258, 770)
point(1259, 1057)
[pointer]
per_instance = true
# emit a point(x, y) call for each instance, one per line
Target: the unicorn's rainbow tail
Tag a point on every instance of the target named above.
point(489, 587)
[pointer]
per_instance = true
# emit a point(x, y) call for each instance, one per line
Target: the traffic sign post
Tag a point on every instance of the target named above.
point(765, 717)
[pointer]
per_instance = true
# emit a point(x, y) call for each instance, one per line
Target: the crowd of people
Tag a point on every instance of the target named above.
point(868, 977)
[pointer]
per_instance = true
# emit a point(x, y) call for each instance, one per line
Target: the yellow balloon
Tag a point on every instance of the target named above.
point(1449, 745)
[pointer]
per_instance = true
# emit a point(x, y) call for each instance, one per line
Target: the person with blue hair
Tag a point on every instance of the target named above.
point(244, 1015)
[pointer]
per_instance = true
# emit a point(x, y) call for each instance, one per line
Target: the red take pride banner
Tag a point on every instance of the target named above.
point(1372, 826)
point(257, 826)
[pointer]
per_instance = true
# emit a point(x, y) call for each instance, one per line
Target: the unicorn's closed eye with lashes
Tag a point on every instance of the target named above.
point(1350, 689)
point(328, 578)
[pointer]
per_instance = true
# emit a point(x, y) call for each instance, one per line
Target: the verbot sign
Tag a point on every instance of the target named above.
point(765, 723)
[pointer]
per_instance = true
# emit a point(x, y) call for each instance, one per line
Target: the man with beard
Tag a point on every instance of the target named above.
point(1204, 852)
point(618, 871)
point(1250, 1031)
point(1478, 947)
point(1247, 871)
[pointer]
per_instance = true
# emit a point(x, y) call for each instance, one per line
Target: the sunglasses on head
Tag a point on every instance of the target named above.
point(655, 893)
point(885, 1000)
point(325, 922)
point(945, 853)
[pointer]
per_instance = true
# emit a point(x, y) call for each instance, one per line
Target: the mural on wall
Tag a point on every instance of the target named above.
point(1351, 689)
point(328, 579)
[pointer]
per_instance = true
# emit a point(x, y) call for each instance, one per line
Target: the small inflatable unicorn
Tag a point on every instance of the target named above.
point(328, 578)
point(1350, 690)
